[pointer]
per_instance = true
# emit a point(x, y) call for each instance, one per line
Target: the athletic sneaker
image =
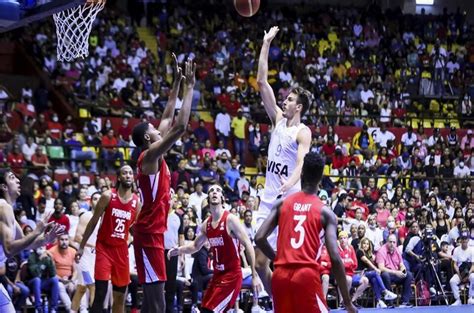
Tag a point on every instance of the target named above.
point(381, 305)
point(405, 305)
point(470, 301)
point(194, 309)
point(389, 295)
point(457, 302)
point(433, 291)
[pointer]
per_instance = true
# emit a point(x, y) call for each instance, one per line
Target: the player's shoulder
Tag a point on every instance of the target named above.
point(5, 209)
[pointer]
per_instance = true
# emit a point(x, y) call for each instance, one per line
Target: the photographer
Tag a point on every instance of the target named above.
point(439, 56)
point(417, 251)
point(463, 263)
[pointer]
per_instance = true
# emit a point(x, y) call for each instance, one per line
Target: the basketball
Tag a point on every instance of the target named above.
point(247, 8)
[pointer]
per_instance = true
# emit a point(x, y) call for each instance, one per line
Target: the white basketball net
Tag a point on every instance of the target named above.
point(73, 27)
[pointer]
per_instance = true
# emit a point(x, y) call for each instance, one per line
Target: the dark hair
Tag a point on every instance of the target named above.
point(138, 132)
point(303, 97)
point(313, 167)
point(3, 180)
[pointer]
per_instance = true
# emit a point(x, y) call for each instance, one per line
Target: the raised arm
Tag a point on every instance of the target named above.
point(158, 148)
point(304, 143)
point(330, 226)
point(266, 91)
point(192, 247)
point(168, 113)
point(98, 211)
point(261, 238)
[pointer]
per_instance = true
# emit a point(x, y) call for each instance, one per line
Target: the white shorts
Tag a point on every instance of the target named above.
point(6, 305)
point(261, 215)
point(86, 267)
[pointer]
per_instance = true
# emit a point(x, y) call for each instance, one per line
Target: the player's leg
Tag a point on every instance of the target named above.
point(119, 293)
point(262, 265)
point(120, 278)
point(281, 290)
point(102, 273)
point(222, 292)
point(101, 287)
point(76, 300)
point(153, 298)
point(151, 272)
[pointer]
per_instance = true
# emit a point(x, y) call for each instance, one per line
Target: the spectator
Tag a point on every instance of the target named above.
point(43, 279)
point(249, 226)
point(349, 259)
point(59, 217)
point(461, 171)
point(63, 256)
point(77, 152)
point(29, 148)
point(67, 194)
point(201, 133)
point(40, 162)
point(390, 262)
point(383, 136)
point(55, 128)
point(10, 276)
point(362, 141)
point(180, 175)
point(16, 161)
point(374, 233)
point(196, 199)
point(463, 263)
point(109, 152)
point(238, 130)
point(222, 126)
point(366, 262)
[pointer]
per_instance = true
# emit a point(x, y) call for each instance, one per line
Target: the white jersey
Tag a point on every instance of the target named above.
point(282, 156)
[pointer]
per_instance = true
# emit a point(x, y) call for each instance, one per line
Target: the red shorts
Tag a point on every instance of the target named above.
point(297, 289)
point(111, 263)
point(222, 291)
point(150, 259)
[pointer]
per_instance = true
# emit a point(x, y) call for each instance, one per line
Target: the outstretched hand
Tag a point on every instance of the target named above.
point(189, 74)
point(271, 34)
point(178, 72)
point(173, 252)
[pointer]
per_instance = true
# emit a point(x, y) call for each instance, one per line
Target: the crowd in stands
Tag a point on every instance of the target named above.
point(391, 195)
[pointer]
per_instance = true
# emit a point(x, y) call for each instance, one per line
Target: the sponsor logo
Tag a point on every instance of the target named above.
point(277, 168)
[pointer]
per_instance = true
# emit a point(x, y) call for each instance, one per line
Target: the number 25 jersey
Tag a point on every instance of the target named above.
point(300, 231)
point(117, 219)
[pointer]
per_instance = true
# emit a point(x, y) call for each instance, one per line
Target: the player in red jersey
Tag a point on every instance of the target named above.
point(302, 220)
point(225, 233)
point(154, 186)
point(118, 209)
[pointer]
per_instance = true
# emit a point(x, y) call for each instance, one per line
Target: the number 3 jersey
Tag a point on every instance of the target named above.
point(117, 219)
point(300, 231)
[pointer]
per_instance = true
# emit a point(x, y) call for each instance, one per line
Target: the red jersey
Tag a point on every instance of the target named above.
point(225, 249)
point(116, 221)
point(349, 259)
point(156, 196)
point(300, 231)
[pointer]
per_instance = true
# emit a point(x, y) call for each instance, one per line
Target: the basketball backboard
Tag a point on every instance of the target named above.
point(18, 13)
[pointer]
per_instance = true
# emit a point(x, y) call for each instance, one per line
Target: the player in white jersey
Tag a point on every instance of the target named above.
point(12, 240)
point(289, 143)
point(86, 265)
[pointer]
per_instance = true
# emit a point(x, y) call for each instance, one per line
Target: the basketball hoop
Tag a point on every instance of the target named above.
point(73, 27)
